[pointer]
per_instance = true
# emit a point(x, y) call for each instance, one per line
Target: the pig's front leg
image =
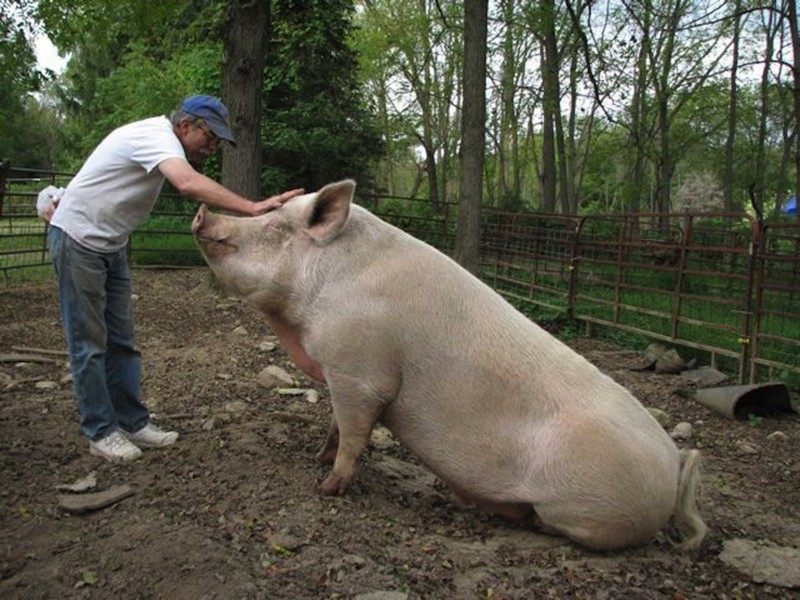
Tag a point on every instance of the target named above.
point(355, 413)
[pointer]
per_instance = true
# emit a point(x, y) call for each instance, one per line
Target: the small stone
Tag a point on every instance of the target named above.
point(381, 437)
point(778, 436)
point(382, 595)
point(747, 447)
point(267, 346)
point(285, 540)
point(79, 485)
point(241, 330)
point(312, 396)
point(682, 431)
point(763, 561)
point(704, 377)
point(291, 391)
point(274, 375)
point(46, 385)
point(661, 416)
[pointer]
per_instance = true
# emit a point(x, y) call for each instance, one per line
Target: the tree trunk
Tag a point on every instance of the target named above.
point(507, 122)
point(555, 159)
point(473, 118)
point(795, 34)
point(664, 95)
point(383, 119)
point(245, 39)
point(432, 172)
point(563, 176)
point(665, 163)
point(424, 97)
point(638, 123)
point(730, 142)
point(571, 183)
point(549, 105)
point(758, 187)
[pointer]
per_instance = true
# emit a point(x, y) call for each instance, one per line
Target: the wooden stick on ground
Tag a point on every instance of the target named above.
point(39, 351)
point(29, 358)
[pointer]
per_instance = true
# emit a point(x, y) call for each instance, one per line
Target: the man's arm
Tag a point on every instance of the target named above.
point(198, 187)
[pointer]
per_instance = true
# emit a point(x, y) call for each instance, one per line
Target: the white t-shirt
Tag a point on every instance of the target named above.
point(117, 186)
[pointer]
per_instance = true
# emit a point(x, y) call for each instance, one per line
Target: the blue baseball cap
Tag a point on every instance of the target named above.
point(213, 112)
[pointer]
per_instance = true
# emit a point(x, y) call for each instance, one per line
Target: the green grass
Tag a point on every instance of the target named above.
point(23, 253)
point(710, 310)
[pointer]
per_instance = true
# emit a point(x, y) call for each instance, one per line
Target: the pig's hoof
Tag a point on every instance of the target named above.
point(334, 485)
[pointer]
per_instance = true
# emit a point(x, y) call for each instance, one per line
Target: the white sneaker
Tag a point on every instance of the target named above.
point(151, 436)
point(115, 448)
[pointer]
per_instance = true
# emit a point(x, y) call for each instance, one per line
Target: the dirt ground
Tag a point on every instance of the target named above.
point(233, 509)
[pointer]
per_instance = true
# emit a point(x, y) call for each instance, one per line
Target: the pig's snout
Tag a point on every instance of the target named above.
point(213, 234)
point(199, 219)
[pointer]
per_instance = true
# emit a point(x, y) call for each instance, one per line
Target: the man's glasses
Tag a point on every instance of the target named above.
point(211, 138)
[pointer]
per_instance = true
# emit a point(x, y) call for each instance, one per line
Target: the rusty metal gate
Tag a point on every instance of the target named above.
point(775, 339)
point(717, 283)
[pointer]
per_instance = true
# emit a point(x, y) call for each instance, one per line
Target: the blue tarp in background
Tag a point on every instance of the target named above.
point(790, 206)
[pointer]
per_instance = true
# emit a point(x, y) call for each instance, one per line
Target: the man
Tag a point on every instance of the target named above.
point(113, 193)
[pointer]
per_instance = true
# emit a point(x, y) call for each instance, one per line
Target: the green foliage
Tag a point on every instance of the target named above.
point(165, 240)
point(130, 60)
point(341, 100)
point(419, 219)
point(25, 129)
point(606, 171)
point(316, 127)
point(133, 59)
point(755, 420)
point(620, 337)
point(17, 60)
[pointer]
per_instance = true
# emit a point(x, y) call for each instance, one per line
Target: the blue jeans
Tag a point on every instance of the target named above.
point(94, 291)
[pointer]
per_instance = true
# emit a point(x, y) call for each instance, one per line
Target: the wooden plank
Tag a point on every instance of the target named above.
point(81, 503)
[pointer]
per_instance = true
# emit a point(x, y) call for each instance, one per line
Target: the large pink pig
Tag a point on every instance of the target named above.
point(509, 417)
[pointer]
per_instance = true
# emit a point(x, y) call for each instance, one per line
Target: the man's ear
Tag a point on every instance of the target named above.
point(330, 211)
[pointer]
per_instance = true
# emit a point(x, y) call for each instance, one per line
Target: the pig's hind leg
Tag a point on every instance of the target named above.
point(518, 512)
point(522, 513)
point(356, 410)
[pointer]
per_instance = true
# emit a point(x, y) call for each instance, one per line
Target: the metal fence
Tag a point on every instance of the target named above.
point(164, 239)
point(716, 284)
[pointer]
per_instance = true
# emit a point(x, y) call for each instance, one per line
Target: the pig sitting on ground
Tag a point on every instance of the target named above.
point(510, 418)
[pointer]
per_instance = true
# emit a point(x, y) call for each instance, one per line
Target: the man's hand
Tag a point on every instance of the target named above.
point(47, 214)
point(273, 202)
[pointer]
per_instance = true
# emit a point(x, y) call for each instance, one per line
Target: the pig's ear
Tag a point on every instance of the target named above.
point(330, 211)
